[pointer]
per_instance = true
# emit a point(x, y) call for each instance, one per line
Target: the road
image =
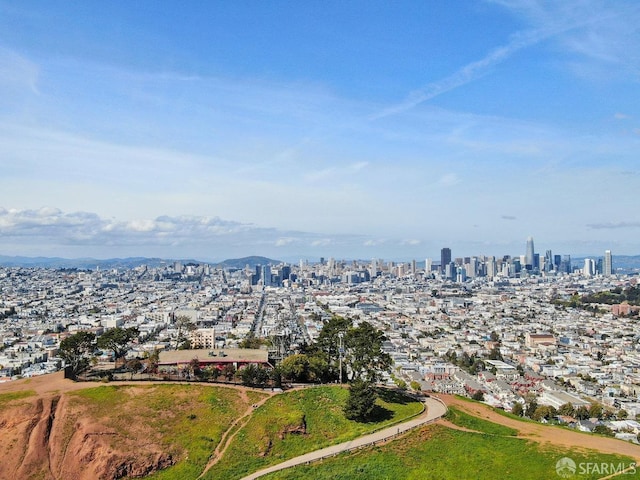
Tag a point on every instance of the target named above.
point(434, 410)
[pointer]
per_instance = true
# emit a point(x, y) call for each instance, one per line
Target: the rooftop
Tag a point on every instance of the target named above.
point(226, 355)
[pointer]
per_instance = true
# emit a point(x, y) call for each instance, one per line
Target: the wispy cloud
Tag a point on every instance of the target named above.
point(469, 72)
point(613, 226)
point(449, 180)
point(508, 217)
point(335, 172)
point(411, 242)
point(600, 34)
point(17, 71)
point(597, 31)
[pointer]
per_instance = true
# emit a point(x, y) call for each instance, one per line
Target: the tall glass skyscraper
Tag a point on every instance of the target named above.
point(445, 258)
point(607, 265)
point(529, 255)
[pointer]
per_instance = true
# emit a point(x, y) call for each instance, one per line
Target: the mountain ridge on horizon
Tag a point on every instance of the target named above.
point(125, 262)
point(626, 263)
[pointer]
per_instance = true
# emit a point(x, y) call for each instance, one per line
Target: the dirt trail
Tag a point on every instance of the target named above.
point(227, 437)
point(547, 434)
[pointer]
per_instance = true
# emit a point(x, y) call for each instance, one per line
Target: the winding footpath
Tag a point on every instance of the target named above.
point(434, 410)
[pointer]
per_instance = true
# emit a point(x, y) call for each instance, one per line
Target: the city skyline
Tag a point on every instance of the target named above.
point(355, 130)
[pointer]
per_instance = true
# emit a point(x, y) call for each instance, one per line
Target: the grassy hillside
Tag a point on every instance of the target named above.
point(186, 420)
point(299, 422)
point(6, 398)
point(440, 453)
point(462, 419)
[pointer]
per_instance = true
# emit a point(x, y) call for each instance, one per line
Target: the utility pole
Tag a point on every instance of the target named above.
point(341, 352)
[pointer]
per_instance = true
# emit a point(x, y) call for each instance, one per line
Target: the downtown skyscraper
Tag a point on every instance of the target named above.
point(445, 258)
point(607, 264)
point(529, 258)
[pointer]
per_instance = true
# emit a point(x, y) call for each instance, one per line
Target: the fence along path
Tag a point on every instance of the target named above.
point(434, 410)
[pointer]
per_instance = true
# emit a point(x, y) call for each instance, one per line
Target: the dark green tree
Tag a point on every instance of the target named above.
point(134, 365)
point(361, 401)
point(566, 409)
point(543, 412)
point(319, 369)
point(76, 349)
point(276, 377)
point(229, 371)
point(517, 409)
point(295, 368)
point(364, 355)
point(251, 341)
point(329, 338)
point(262, 376)
point(595, 411)
point(603, 430)
point(117, 340)
point(581, 413)
point(254, 375)
point(531, 407)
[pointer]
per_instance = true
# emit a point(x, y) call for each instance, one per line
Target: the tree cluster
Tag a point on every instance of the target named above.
point(356, 349)
point(617, 295)
point(117, 340)
point(362, 355)
point(77, 349)
point(254, 375)
point(537, 412)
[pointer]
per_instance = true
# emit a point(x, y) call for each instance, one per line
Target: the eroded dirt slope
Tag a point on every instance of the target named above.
point(50, 437)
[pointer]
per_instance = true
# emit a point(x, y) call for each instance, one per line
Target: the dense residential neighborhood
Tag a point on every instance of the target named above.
point(515, 341)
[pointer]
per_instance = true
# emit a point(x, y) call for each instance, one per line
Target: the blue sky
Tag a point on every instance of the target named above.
point(307, 129)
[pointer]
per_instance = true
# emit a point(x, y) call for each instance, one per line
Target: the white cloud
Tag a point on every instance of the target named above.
point(322, 242)
point(374, 242)
point(411, 242)
point(285, 241)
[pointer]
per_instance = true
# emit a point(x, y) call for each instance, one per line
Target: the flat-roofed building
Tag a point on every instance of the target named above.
point(238, 357)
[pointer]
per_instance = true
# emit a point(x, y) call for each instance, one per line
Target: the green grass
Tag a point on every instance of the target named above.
point(5, 398)
point(264, 441)
point(439, 453)
point(462, 419)
point(188, 421)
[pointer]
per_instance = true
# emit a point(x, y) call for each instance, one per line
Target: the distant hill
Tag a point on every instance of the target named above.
point(130, 262)
point(85, 263)
point(252, 261)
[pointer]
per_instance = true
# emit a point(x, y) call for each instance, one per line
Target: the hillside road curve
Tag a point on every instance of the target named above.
point(434, 410)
